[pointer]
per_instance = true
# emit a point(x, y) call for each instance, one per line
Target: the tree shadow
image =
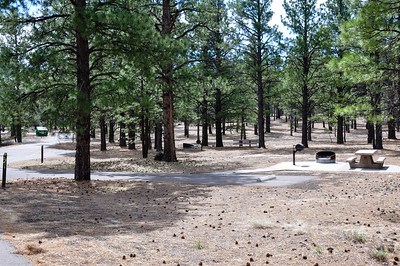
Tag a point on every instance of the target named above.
point(59, 207)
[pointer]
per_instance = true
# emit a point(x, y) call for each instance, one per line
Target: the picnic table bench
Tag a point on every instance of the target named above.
point(366, 160)
point(66, 137)
point(242, 142)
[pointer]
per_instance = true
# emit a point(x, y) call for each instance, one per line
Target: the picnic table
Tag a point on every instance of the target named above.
point(366, 160)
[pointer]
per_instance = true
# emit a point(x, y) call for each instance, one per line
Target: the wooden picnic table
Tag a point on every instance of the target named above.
point(366, 160)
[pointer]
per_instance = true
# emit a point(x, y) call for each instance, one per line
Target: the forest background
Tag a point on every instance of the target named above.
point(141, 66)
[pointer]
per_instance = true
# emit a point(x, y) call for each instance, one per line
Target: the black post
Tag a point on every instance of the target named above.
point(297, 147)
point(294, 154)
point(41, 154)
point(3, 183)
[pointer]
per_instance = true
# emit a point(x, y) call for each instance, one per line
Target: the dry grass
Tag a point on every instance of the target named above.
point(31, 250)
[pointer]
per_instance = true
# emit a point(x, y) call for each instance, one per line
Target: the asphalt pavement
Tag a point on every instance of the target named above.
point(8, 257)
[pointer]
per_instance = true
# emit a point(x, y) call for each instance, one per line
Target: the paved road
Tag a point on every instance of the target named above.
point(8, 256)
point(31, 150)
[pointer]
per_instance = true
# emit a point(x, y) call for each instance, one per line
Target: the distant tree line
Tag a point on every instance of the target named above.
point(142, 65)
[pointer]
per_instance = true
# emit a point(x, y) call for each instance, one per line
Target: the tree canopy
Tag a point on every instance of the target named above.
point(143, 65)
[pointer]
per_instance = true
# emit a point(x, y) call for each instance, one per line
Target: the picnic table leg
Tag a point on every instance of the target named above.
point(366, 160)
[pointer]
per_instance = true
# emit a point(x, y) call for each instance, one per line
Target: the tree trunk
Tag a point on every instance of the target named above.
point(13, 131)
point(339, 132)
point(243, 129)
point(291, 125)
point(145, 136)
point(186, 128)
point(82, 155)
point(378, 137)
point(260, 92)
point(371, 132)
point(304, 117)
point(167, 24)
point(131, 131)
point(169, 137)
point(278, 113)
point(218, 119)
point(122, 134)
point(391, 129)
point(131, 137)
point(198, 141)
point(261, 108)
point(204, 116)
point(148, 130)
point(111, 131)
point(18, 131)
point(158, 137)
point(268, 121)
point(103, 130)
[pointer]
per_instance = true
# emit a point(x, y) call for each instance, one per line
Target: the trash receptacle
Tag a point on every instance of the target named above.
point(41, 131)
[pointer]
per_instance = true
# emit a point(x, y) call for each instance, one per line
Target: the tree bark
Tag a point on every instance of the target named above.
point(339, 132)
point(371, 133)
point(131, 137)
point(122, 134)
point(168, 93)
point(18, 132)
point(145, 125)
point(304, 117)
point(169, 134)
point(378, 137)
point(186, 128)
point(218, 119)
point(260, 97)
point(204, 116)
point(268, 120)
point(158, 137)
point(103, 130)
point(111, 131)
point(392, 129)
point(82, 156)
point(243, 129)
point(93, 133)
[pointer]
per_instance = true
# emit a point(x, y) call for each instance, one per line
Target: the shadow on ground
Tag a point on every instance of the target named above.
point(64, 207)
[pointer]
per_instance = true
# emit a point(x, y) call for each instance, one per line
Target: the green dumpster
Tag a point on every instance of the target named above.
point(41, 131)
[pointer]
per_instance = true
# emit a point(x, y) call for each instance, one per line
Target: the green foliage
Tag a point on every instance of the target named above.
point(342, 62)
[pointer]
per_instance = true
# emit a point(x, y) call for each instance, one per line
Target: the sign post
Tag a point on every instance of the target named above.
point(3, 183)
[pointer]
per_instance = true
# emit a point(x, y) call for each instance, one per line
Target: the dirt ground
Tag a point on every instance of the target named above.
point(335, 219)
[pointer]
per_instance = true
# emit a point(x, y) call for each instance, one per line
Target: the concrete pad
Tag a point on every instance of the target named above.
point(321, 167)
point(331, 167)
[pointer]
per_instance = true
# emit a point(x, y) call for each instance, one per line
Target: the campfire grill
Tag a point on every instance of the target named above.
point(325, 157)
